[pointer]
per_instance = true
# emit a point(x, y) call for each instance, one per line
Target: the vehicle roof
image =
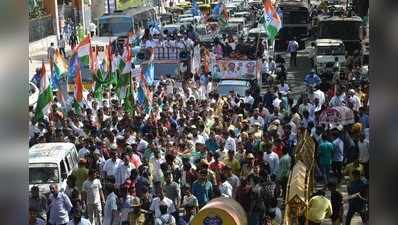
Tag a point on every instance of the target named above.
point(259, 29)
point(328, 42)
point(298, 3)
point(235, 82)
point(237, 19)
point(114, 15)
point(49, 152)
point(101, 40)
point(339, 18)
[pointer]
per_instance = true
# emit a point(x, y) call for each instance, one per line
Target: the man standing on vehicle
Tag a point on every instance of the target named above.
point(292, 49)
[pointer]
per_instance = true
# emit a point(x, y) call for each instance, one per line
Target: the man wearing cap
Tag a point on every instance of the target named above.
point(138, 216)
point(248, 167)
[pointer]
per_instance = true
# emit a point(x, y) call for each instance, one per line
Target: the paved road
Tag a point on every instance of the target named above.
point(295, 80)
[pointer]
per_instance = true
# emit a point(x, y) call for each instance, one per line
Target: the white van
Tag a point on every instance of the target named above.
point(51, 163)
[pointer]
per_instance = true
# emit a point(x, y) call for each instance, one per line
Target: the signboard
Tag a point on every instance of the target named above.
point(235, 69)
point(337, 115)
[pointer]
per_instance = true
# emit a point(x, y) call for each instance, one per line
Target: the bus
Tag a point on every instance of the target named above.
point(120, 23)
point(295, 23)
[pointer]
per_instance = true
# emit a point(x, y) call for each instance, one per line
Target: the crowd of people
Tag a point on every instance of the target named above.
point(162, 166)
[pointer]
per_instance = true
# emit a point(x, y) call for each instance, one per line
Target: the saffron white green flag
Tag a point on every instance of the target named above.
point(272, 21)
point(83, 51)
point(45, 95)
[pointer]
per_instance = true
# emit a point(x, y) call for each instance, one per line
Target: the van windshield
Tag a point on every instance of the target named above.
point(43, 173)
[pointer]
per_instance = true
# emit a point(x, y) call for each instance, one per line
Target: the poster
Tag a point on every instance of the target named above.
point(234, 69)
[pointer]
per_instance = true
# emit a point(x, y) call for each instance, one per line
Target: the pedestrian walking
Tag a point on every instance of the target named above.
point(61, 45)
point(292, 48)
point(59, 206)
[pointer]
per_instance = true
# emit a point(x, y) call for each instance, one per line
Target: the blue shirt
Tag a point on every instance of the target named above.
point(312, 79)
point(338, 153)
point(59, 208)
point(325, 153)
point(212, 145)
point(364, 119)
point(203, 191)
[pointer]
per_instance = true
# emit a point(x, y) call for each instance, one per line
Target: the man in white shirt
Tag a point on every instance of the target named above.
point(256, 118)
point(161, 199)
point(292, 49)
point(248, 99)
point(354, 100)
point(283, 88)
point(123, 170)
point(339, 99)
point(111, 164)
point(225, 187)
point(272, 159)
point(93, 197)
point(230, 143)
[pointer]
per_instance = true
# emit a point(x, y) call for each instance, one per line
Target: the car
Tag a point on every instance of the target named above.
point(51, 163)
point(324, 53)
point(33, 94)
point(238, 86)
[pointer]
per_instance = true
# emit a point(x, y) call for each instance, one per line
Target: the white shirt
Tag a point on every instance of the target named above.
point(230, 144)
point(155, 206)
point(83, 221)
point(226, 189)
point(92, 27)
point(337, 101)
point(92, 189)
point(356, 102)
point(283, 88)
point(259, 119)
point(248, 100)
point(276, 103)
point(273, 161)
point(110, 205)
point(110, 166)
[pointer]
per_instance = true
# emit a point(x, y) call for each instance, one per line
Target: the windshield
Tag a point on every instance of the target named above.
point(40, 174)
point(229, 29)
point(224, 90)
point(342, 30)
point(295, 17)
point(116, 26)
point(330, 50)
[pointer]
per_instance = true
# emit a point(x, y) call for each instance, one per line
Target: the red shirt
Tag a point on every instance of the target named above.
point(278, 149)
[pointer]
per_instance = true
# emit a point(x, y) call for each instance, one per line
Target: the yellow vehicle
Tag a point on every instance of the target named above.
point(175, 10)
point(184, 5)
point(205, 8)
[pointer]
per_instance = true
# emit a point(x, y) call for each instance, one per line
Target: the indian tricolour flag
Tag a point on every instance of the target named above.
point(60, 65)
point(272, 20)
point(45, 94)
point(83, 51)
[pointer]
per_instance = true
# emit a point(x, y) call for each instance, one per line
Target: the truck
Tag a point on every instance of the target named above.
point(295, 23)
point(325, 52)
point(346, 28)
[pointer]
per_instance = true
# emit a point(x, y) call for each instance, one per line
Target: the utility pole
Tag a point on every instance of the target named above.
point(57, 32)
